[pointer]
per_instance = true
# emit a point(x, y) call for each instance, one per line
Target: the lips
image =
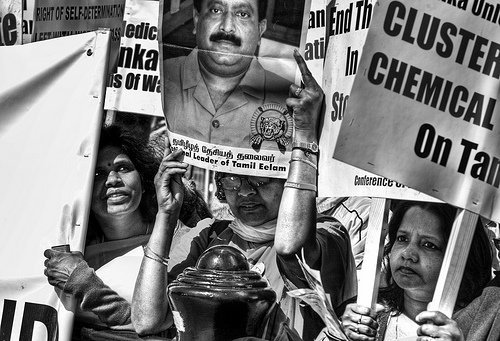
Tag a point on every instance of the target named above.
point(116, 196)
point(249, 206)
point(224, 41)
point(405, 270)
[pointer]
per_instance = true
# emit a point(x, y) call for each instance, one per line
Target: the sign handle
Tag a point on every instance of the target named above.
point(454, 262)
point(374, 249)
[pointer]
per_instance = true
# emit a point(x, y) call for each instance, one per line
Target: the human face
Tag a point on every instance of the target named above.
point(255, 205)
point(231, 31)
point(117, 184)
point(417, 254)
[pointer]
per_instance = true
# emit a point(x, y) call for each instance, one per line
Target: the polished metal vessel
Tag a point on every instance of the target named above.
point(221, 298)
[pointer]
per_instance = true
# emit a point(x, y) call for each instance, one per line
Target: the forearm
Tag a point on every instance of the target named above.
point(150, 308)
point(296, 227)
point(97, 297)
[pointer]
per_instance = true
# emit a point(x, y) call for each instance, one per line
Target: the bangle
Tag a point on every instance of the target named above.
point(310, 163)
point(298, 185)
point(148, 253)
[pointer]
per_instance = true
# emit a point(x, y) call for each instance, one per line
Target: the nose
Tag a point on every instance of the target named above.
point(227, 24)
point(246, 189)
point(410, 253)
point(113, 179)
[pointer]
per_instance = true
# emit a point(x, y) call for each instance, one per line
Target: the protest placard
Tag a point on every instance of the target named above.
point(51, 115)
point(226, 88)
point(11, 16)
point(423, 110)
point(135, 87)
point(314, 50)
point(27, 27)
point(347, 24)
point(60, 18)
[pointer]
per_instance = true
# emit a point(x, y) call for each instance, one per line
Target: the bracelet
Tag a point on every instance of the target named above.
point(298, 185)
point(310, 163)
point(148, 253)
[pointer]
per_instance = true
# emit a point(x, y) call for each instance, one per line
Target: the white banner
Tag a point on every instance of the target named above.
point(135, 87)
point(51, 100)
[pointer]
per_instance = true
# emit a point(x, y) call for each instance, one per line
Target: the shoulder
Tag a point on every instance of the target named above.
point(173, 63)
point(172, 67)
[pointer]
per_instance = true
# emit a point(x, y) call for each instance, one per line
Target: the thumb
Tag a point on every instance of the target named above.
point(167, 146)
point(379, 308)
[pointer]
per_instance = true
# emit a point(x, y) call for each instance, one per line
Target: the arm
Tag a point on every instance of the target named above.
point(97, 297)
point(69, 272)
point(296, 227)
point(150, 307)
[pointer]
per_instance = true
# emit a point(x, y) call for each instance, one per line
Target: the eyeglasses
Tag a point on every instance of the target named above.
point(233, 182)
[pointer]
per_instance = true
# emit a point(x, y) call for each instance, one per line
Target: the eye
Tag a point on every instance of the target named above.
point(243, 14)
point(401, 239)
point(215, 10)
point(124, 167)
point(431, 246)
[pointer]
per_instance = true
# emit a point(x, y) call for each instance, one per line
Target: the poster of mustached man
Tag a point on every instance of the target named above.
point(226, 72)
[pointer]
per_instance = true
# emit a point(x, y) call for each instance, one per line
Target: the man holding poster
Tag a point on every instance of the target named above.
point(220, 93)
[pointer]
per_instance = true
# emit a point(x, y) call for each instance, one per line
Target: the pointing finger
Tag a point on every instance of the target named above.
point(307, 77)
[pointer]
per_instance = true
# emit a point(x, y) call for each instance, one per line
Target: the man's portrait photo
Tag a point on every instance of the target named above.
point(225, 71)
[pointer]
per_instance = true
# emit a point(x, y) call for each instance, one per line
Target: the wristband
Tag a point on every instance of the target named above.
point(310, 163)
point(311, 147)
point(298, 185)
point(148, 253)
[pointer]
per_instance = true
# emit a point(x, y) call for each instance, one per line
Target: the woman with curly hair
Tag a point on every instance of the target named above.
point(123, 210)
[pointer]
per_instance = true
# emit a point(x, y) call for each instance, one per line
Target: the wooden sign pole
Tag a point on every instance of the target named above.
point(454, 262)
point(374, 248)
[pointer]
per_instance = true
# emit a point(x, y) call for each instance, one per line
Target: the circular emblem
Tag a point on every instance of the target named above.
point(271, 122)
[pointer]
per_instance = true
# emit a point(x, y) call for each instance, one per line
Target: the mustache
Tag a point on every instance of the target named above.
point(225, 36)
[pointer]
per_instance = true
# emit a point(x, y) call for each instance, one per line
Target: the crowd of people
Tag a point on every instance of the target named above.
point(146, 215)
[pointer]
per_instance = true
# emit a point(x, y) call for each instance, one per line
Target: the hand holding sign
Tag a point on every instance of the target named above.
point(60, 262)
point(437, 325)
point(360, 323)
point(60, 265)
point(168, 181)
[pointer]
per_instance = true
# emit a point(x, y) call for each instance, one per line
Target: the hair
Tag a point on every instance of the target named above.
point(219, 191)
point(262, 7)
point(477, 271)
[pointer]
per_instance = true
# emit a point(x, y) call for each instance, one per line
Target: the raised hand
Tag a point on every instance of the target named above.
point(168, 181)
point(306, 103)
point(435, 325)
